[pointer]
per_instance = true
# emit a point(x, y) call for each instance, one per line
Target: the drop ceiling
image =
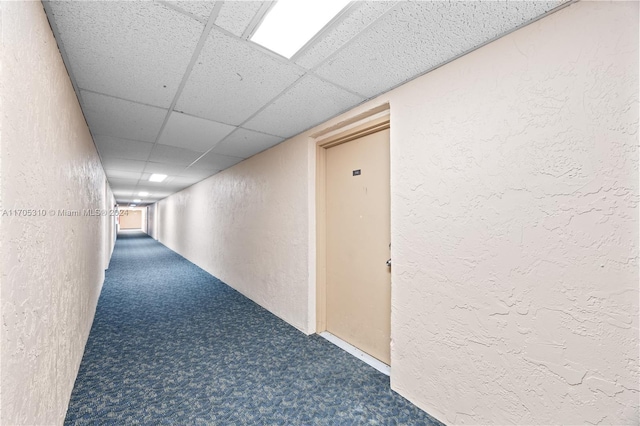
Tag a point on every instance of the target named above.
point(177, 87)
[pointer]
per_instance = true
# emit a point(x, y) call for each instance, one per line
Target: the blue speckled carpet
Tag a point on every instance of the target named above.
point(171, 344)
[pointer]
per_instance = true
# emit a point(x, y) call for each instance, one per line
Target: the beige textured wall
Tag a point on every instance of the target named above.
point(51, 267)
point(131, 219)
point(514, 179)
point(515, 226)
point(151, 221)
point(110, 225)
point(248, 226)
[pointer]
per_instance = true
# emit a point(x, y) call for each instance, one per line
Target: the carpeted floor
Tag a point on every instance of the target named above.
point(171, 344)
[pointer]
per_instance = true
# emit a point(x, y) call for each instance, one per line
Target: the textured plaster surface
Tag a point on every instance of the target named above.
point(514, 226)
point(248, 226)
point(52, 268)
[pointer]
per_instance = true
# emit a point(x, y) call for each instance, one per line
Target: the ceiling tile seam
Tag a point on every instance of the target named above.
point(257, 19)
point(122, 99)
point(274, 99)
point(347, 109)
point(262, 50)
point(300, 68)
point(291, 62)
point(259, 131)
point(466, 52)
point(355, 37)
point(334, 22)
point(227, 137)
point(339, 86)
point(181, 10)
point(211, 149)
point(124, 139)
point(367, 99)
point(287, 89)
point(222, 122)
point(187, 73)
point(115, 169)
point(67, 64)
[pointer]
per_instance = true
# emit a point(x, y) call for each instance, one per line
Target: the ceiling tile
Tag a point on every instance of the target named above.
point(196, 134)
point(129, 200)
point(122, 183)
point(184, 180)
point(216, 161)
point(245, 143)
point(172, 155)
point(309, 102)
point(154, 190)
point(109, 146)
point(162, 168)
point(123, 165)
point(356, 18)
point(121, 119)
point(235, 16)
point(231, 94)
point(122, 192)
point(416, 36)
point(118, 174)
point(200, 173)
point(136, 50)
point(168, 187)
point(200, 8)
point(122, 188)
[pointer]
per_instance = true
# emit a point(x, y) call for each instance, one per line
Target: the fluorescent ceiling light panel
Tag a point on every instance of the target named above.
point(290, 24)
point(143, 193)
point(157, 177)
point(137, 200)
point(132, 205)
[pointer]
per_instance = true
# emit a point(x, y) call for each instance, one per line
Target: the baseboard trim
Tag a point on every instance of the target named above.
point(349, 348)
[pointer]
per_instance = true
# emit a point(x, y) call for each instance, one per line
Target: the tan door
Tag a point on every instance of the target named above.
point(358, 289)
point(131, 220)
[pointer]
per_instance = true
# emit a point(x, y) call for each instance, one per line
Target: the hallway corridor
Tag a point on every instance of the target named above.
point(171, 344)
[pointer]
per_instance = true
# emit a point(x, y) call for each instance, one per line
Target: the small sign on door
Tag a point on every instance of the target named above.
point(357, 172)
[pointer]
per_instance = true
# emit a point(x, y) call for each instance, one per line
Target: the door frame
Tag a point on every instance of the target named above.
point(375, 121)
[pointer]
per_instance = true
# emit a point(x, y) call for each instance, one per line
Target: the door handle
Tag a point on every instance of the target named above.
point(389, 262)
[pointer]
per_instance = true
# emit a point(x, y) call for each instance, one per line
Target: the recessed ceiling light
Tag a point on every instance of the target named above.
point(290, 24)
point(137, 200)
point(143, 193)
point(132, 205)
point(157, 177)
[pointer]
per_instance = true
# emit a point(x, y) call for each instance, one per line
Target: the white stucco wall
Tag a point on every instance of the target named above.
point(248, 226)
point(51, 267)
point(514, 179)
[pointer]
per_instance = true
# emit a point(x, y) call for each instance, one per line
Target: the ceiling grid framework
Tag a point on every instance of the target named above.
point(178, 88)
